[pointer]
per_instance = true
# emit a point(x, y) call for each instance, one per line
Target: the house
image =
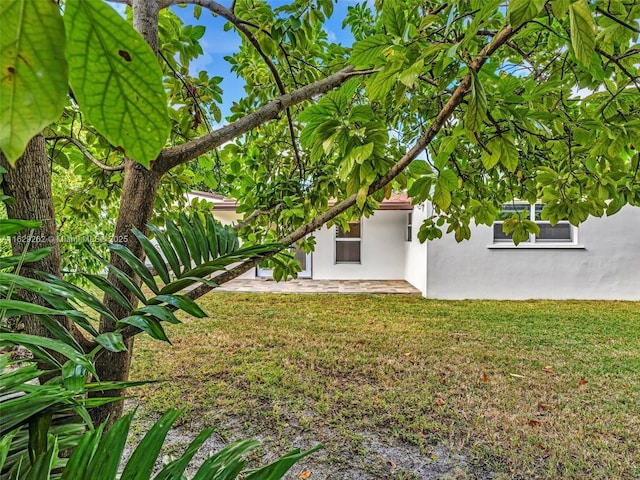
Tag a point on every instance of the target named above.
point(600, 259)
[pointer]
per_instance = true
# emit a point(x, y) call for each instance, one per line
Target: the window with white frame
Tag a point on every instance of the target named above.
point(348, 243)
point(409, 227)
point(562, 232)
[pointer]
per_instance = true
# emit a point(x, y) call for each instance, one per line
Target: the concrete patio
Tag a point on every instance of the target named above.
point(260, 285)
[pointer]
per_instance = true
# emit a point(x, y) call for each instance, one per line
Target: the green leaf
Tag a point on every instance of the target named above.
point(167, 249)
point(277, 469)
point(153, 255)
point(10, 226)
point(142, 460)
point(148, 325)
point(112, 341)
point(361, 198)
point(179, 245)
point(491, 158)
point(76, 468)
point(176, 468)
point(161, 313)
point(181, 302)
point(441, 196)
point(582, 29)
point(136, 265)
point(369, 52)
point(190, 237)
point(116, 79)
point(521, 11)
point(508, 154)
point(6, 262)
point(477, 107)
point(393, 18)
point(44, 342)
point(104, 464)
point(33, 83)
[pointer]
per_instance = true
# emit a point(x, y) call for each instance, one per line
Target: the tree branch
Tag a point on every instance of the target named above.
point(87, 154)
point(445, 113)
point(617, 20)
point(174, 156)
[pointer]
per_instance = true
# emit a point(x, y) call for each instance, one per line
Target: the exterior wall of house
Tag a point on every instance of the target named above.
point(382, 251)
point(415, 266)
point(604, 265)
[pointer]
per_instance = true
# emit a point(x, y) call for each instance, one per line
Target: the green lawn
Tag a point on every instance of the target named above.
point(534, 389)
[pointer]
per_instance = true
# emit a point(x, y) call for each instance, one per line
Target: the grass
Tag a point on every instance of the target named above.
point(534, 389)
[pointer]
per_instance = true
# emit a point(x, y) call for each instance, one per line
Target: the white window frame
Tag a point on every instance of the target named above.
point(533, 241)
point(337, 239)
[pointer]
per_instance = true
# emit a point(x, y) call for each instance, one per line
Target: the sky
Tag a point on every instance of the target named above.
point(218, 43)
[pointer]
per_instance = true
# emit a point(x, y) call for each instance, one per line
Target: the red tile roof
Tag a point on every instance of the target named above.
point(397, 201)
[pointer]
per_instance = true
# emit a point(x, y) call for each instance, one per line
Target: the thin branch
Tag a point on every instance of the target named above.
point(88, 155)
point(173, 156)
point(631, 76)
point(423, 142)
point(445, 113)
point(617, 20)
point(255, 214)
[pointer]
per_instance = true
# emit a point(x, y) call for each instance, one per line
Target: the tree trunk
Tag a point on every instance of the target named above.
point(29, 183)
point(136, 207)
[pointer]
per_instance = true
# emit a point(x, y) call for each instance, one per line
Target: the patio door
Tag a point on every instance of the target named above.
point(300, 256)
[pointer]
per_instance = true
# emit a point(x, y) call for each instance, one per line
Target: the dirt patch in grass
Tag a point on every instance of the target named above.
point(522, 389)
point(370, 457)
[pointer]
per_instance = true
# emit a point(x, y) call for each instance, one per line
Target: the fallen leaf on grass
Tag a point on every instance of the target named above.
point(304, 474)
point(548, 369)
point(543, 406)
point(546, 452)
point(391, 464)
point(485, 378)
point(582, 382)
point(533, 423)
point(439, 401)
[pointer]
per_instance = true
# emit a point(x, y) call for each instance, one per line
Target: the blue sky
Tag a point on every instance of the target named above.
point(218, 43)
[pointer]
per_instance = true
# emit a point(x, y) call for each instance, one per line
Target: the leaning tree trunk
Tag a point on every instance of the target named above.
point(136, 207)
point(29, 183)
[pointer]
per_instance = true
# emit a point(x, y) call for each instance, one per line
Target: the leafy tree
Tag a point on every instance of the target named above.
point(531, 100)
point(41, 420)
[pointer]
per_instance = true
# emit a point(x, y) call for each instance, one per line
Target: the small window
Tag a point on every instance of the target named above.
point(562, 232)
point(409, 226)
point(348, 243)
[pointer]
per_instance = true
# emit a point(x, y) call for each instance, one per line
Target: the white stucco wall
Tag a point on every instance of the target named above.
point(606, 267)
point(382, 251)
point(415, 265)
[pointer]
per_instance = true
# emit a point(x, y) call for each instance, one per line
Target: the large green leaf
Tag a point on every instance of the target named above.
point(477, 107)
point(44, 342)
point(140, 465)
point(116, 79)
point(177, 467)
point(281, 466)
point(369, 52)
point(33, 83)
point(393, 17)
point(11, 226)
point(104, 464)
point(521, 11)
point(583, 36)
